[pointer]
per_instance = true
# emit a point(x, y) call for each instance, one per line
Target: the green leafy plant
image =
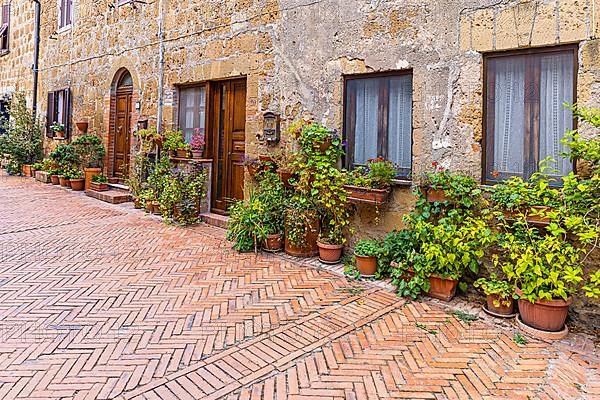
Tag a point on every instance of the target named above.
point(181, 193)
point(173, 140)
point(494, 286)
point(57, 127)
point(89, 150)
point(378, 174)
point(99, 178)
point(22, 141)
point(458, 187)
point(65, 156)
point(300, 217)
point(367, 248)
point(464, 317)
point(519, 339)
point(245, 226)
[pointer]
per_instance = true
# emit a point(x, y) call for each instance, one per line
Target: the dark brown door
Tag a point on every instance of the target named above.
point(228, 137)
point(122, 132)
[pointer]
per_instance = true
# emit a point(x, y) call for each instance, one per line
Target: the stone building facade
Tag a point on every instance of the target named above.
point(295, 58)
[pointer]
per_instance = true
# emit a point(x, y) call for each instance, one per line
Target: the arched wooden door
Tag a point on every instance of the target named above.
point(122, 125)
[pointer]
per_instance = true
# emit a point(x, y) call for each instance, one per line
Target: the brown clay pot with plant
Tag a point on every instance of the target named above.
point(442, 288)
point(63, 180)
point(365, 253)
point(77, 184)
point(545, 315)
point(301, 233)
point(500, 295)
point(330, 253)
point(273, 242)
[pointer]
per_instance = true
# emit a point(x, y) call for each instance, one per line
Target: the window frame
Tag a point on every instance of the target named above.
point(61, 11)
point(486, 144)
point(348, 159)
point(66, 111)
point(194, 85)
point(5, 28)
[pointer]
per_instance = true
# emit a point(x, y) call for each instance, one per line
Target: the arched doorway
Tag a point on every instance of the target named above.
point(121, 110)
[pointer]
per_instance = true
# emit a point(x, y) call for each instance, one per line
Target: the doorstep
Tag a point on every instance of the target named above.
point(220, 221)
point(110, 196)
point(119, 187)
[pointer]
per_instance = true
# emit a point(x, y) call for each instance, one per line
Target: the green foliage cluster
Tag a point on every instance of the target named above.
point(494, 286)
point(458, 187)
point(89, 150)
point(173, 140)
point(22, 141)
point(378, 174)
point(100, 178)
point(367, 248)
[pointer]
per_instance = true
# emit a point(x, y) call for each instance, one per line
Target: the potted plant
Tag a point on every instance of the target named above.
point(450, 249)
point(55, 175)
point(245, 227)
point(197, 144)
point(76, 180)
point(252, 165)
point(446, 186)
point(272, 194)
point(500, 294)
point(63, 178)
point(58, 129)
point(90, 153)
point(302, 227)
point(365, 253)
point(371, 185)
point(547, 271)
point(175, 144)
point(99, 183)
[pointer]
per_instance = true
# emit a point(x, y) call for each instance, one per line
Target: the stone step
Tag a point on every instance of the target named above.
point(220, 221)
point(119, 187)
point(110, 196)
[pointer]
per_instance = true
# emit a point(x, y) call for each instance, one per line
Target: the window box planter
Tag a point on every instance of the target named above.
point(436, 195)
point(59, 135)
point(358, 194)
point(77, 184)
point(442, 288)
point(64, 182)
point(55, 179)
point(330, 253)
point(367, 266)
point(99, 187)
point(536, 220)
point(273, 243)
point(545, 315)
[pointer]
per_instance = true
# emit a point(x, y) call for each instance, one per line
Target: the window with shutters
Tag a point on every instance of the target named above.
point(4, 29)
point(192, 110)
point(525, 117)
point(378, 119)
point(65, 13)
point(58, 111)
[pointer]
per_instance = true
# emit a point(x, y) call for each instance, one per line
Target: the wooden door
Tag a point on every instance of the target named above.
point(228, 137)
point(122, 134)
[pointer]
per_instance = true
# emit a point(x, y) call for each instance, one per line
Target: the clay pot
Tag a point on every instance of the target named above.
point(367, 266)
point(82, 126)
point(197, 154)
point(77, 184)
point(26, 169)
point(148, 207)
point(59, 135)
point(285, 177)
point(436, 195)
point(137, 203)
point(309, 248)
point(323, 147)
point(442, 288)
point(545, 315)
point(330, 253)
point(156, 208)
point(54, 179)
point(89, 173)
point(501, 308)
point(64, 182)
point(252, 170)
point(273, 242)
point(182, 153)
point(98, 187)
point(358, 194)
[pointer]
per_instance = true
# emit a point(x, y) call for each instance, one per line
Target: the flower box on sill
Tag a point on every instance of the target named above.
point(536, 215)
point(364, 195)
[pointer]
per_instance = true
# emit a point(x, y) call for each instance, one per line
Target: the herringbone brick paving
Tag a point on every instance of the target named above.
point(100, 301)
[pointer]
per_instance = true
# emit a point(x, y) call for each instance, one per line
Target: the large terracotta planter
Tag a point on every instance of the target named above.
point(437, 196)
point(64, 182)
point(367, 266)
point(442, 288)
point(309, 248)
point(273, 242)
point(358, 194)
point(497, 305)
point(89, 173)
point(26, 169)
point(77, 184)
point(545, 315)
point(330, 253)
point(54, 179)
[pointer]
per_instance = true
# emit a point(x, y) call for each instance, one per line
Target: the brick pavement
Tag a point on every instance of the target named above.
point(101, 301)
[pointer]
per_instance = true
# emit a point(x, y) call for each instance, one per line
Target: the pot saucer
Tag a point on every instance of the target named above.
point(329, 262)
point(272, 251)
point(539, 334)
point(497, 315)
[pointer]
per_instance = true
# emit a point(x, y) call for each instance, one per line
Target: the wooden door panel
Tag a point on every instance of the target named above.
point(122, 133)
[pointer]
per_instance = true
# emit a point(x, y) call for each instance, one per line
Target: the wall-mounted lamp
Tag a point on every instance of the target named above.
point(53, 36)
point(271, 130)
point(142, 124)
point(138, 106)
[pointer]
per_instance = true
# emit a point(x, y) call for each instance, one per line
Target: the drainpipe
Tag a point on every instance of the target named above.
point(36, 55)
point(161, 66)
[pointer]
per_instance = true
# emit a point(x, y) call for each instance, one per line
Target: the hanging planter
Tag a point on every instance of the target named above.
point(437, 196)
point(358, 194)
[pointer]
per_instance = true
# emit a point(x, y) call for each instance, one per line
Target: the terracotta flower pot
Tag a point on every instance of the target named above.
point(98, 187)
point(64, 182)
point(197, 154)
point(285, 177)
point(148, 207)
point(137, 203)
point(252, 170)
point(82, 126)
point(545, 315)
point(309, 247)
point(273, 242)
point(436, 195)
point(77, 184)
point(26, 169)
point(156, 208)
point(358, 194)
point(501, 307)
point(367, 266)
point(323, 147)
point(89, 173)
point(55, 179)
point(330, 253)
point(182, 153)
point(442, 288)
point(59, 135)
